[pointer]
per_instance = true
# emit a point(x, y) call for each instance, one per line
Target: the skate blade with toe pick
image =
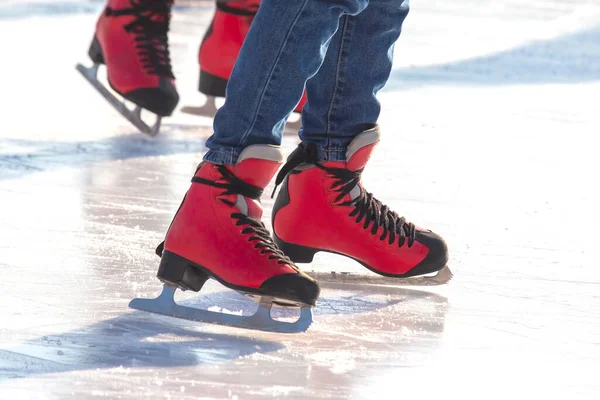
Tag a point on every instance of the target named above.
point(261, 320)
point(134, 116)
point(178, 273)
point(441, 277)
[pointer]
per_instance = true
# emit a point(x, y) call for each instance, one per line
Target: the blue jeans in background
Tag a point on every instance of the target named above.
point(340, 50)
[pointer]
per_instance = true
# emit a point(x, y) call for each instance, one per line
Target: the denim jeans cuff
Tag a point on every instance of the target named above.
point(222, 156)
point(332, 152)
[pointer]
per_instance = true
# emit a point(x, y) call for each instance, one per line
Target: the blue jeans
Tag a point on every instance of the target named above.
point(339, 50)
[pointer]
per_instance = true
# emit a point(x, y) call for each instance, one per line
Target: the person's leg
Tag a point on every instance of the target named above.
point(342, 95)
point(284, 47)
point(217, 230)
point(222, 42)
point(322, 205)
point(221, 45)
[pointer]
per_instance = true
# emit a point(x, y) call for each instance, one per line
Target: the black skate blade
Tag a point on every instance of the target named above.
point(134, 116)
point(165, 304)
point(442, 277)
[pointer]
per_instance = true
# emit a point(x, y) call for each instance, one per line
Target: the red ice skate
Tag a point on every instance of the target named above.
point(217, 234)
point(222, 43)
point(219, 51)
point(322, 206)
point(131, 39)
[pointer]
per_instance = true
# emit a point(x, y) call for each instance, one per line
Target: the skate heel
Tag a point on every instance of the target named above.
point(183, 273)
point(296, 252)
point(212, 85)
point(95, 52)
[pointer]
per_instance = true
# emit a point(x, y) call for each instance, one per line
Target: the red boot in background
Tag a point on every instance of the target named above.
point(131, 40)
point(322, 206)
point(222, 43)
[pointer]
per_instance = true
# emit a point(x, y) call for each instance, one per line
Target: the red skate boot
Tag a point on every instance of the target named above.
point(222, 43)
point(322, 206)
point(217, 234)
point(131, 39)
point(219, 51)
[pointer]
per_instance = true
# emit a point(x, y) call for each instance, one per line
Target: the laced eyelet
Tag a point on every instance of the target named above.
point(150, 28)
point(256, 230)
point(367, 209)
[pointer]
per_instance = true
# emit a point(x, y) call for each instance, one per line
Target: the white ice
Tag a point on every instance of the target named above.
point(490, 124)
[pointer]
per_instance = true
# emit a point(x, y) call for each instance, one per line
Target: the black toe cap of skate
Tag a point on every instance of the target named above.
point(161, 100)
point(436, 259)
point(296, 287)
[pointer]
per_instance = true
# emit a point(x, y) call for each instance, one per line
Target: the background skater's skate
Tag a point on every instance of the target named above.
point(219, 51)
point(357, 224)
point(131, 40)
point(217, 234)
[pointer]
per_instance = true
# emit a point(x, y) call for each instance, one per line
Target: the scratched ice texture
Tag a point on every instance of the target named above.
point(490, 126)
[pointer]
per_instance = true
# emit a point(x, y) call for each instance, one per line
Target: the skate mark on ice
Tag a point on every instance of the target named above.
point(19, 157)
point(127, 341)
point(14, 363)
point(139, 339)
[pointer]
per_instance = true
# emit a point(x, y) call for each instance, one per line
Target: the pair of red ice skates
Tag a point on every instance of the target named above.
point(217, 232)
point(131, 39)
point(321, 206)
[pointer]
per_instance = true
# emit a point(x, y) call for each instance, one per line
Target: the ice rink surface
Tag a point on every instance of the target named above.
point(490, 137)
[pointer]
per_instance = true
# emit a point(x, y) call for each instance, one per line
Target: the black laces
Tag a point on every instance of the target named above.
point(232, 185)
point(366, 207)
point(150, 27)
point(260, 234)
point(262, 237)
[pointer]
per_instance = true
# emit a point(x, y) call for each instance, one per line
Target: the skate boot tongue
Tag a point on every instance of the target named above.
point(256, 165)
point(360, 149)
point(358, 154)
